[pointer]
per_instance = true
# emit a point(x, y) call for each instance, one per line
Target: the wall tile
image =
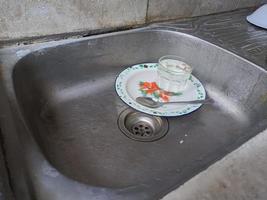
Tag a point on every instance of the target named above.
point(27, 18)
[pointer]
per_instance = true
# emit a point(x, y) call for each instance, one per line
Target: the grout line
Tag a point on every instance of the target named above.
point(147, 5)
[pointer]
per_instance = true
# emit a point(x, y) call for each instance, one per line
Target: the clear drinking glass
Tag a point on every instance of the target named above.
point(173, 73)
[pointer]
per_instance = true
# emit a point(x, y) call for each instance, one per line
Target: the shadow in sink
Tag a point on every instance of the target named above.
point(67, 96)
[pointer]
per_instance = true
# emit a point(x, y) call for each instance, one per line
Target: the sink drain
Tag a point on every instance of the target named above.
point(142, 127)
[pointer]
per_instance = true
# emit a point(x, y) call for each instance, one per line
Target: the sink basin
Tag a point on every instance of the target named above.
point(67, 98)
point(61, 117)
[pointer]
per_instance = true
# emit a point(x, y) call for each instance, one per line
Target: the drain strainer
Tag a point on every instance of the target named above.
point(142, 127)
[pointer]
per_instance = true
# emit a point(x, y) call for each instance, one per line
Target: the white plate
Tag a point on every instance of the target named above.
point(130, 85)
point(259, 17)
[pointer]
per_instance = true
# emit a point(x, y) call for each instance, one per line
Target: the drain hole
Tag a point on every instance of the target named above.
point(142, 127)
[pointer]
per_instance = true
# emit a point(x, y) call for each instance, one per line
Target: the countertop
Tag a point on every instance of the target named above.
point(229, 30)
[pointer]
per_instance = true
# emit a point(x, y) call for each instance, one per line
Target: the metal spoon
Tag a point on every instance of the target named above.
point(149, 102)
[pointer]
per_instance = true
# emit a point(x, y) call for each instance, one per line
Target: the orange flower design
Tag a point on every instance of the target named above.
point(151, 88)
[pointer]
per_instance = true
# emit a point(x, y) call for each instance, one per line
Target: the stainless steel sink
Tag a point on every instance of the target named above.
point(65, 110)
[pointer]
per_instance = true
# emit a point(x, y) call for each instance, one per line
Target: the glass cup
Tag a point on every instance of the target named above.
point(173, 73)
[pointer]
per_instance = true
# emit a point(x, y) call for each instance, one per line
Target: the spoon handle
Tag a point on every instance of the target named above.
point(204, 101)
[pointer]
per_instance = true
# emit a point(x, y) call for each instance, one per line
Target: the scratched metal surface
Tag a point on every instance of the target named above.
point(230, 31)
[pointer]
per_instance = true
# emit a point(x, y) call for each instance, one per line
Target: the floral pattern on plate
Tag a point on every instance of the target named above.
point(152, 89)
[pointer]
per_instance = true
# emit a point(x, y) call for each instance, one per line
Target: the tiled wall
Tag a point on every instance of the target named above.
point(23, 18)
point(27, 18)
